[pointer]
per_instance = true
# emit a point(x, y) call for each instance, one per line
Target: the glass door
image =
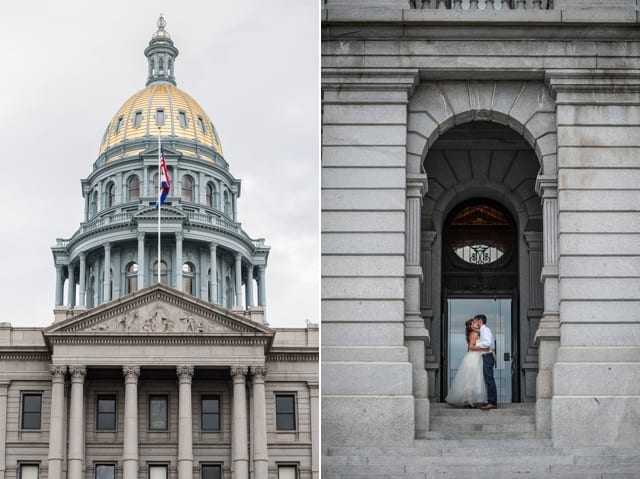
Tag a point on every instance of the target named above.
point(498, 312)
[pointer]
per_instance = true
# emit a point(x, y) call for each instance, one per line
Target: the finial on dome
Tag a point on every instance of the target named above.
point(161, 55)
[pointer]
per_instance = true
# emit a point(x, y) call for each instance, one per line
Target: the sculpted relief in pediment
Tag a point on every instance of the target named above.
point(155, 318)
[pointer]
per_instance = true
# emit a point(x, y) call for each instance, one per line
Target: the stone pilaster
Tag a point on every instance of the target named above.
point(141, 263)
point(239, 437)
point(4, 386)
point(535, 298)
point(259, 442)
point(432, 365)
point(238, 275)
point(415, 333)
point(213, 278)
point(314, 395)
point(56, 428)
point(76, 423)
point(185, 426)
point(106, 294)
point(178, 277)
point(130, 445)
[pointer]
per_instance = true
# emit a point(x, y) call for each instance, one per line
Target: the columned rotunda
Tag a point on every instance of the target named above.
point(159, 366)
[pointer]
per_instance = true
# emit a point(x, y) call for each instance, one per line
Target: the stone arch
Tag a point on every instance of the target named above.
point(524, 106)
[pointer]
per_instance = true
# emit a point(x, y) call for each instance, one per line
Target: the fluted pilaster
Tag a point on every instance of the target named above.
point(56, 428)
point(76, 423)
point(185, 428)
point(239, 439)
point(130, 446)
point(260, 454)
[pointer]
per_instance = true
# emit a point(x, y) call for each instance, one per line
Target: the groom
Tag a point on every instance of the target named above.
point(486, 341)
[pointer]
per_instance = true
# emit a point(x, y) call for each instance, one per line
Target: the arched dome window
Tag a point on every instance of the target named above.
point(93, 207)
point(227, 203)
point(211, 195)
point(188, 278)
point(209, 285)
point(187, 188)
point(131, 277)
point(134, 188)
point(163, 272)
point(110, 195)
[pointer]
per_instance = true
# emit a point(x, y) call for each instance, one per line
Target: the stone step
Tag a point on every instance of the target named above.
point(483, 427)
point(546, 474)
point(488, 436)
point(459, 411)
point(480, 419)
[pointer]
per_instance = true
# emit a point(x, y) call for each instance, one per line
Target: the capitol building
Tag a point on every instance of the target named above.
point(160, 362)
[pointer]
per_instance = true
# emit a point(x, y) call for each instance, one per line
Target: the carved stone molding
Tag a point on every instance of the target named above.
point(185, 374)
point(58, 373)
point(77, 373)
point(131, 373)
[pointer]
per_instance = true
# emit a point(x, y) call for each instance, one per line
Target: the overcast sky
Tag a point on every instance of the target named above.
point(68, 66)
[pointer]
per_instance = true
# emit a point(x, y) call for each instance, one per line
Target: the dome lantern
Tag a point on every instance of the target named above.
point(161, 55)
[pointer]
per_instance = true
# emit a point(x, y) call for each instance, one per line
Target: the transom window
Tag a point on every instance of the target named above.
point(287, 471)
point(480, 232)
point(210, 415)
point(31, 410)
point(29, 471)
point(285, 412)
point(211, 471)
point(157, 471)
point(106, 412)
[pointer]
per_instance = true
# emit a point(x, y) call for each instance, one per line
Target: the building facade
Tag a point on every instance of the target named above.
point(480, 157)
point(160, 363)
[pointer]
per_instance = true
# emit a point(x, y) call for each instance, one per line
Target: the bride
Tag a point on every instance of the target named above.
point(468, 388)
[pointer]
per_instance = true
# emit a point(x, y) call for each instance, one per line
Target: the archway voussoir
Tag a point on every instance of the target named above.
point(481, 95)
point(416, 144)
point(421, 123)
point(457, 95)
point(546, 145)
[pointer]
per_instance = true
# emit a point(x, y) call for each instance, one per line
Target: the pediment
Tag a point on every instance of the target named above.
point(158, 311)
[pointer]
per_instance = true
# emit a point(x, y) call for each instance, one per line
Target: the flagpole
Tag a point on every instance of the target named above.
point(159, 203)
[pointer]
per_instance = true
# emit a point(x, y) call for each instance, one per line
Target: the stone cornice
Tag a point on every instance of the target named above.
point(142, 339)
point(397, 79)
point(25, 356)
point(592, 80)
point(292, 356)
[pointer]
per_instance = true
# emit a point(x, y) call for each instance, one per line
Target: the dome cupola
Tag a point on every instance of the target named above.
point(161, 55)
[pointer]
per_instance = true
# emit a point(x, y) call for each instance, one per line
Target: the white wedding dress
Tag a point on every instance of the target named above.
point(468, 386)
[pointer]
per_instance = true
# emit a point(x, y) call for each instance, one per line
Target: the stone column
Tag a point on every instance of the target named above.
point(179, 237)
point(262, 300)
point(106, 294)
point(185, 432)
point(249, 286)
point(130, 446)
point(239, 439)
point(259, 441)
point(4, 386)
point(238, 280)
point(59, 286)
point(315, 433)
point(213, 274)
point(71, 289)
point(56, 428)
point(141, 266)
point(83, 279)
point(415, 334)
point(548, 335)
point(75, 462)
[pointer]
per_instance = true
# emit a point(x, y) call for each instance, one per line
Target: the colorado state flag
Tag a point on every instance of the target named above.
point(165, 182)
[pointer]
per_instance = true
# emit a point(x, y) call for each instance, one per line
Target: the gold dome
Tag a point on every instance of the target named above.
point(183, 118)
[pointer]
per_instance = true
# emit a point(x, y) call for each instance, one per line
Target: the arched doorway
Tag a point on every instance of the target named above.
point(480, 276)
point(481, 253)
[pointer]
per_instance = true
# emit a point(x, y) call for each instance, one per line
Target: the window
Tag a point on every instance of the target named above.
point(159, 117)
point(182, 119)
point(137, 119)
point(211, 191)
point(131, 275)
point(187, 188)
point(31, 410)
point(188, 278)
point(227, 203)
point(158, 419)
point(210, 413)
point(287, 471)
point(105, 471)
point(116, 129)
point(93, 208)
point(106, 412)
point(285, 412)
point(134, 188)
point(163, 272)
point(29, 471)
point(157, 471)
point(202, 125)
point(211, 471)
point(111, 195)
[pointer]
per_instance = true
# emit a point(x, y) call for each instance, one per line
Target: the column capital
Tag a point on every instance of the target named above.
point(58, 373)
point(82, 255)
point(179, 235)
point(185, 374)
point(140, 235)
point(238, 373)
point(131, 374)
point(77, 373)
point(416, 185)
point(547, 186)
point(213, 246)
point(258, 372)
point(107, 246)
